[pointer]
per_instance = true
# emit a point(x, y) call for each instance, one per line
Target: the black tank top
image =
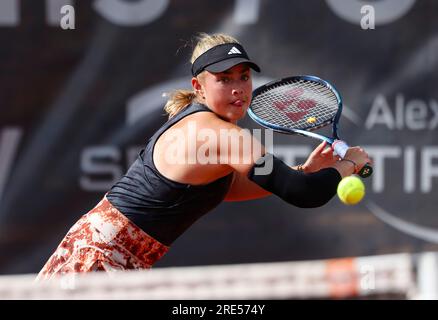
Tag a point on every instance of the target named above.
point(163, 208)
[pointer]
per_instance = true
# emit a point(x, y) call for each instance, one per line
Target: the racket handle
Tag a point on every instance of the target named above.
point(341, 149)
point(366, 171)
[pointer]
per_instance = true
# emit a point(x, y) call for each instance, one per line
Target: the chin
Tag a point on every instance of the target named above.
point(236, 117)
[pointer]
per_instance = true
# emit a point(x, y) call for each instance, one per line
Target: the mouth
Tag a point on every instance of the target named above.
point(238, 103)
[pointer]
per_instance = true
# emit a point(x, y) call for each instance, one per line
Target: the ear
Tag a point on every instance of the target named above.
point(196, 84)
point(197, 87)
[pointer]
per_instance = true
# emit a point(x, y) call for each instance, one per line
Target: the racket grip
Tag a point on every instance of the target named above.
point(341, 148)
point(366, 171)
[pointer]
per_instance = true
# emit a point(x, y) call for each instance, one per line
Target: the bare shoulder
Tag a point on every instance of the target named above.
point(212, 121)
point(187, 152)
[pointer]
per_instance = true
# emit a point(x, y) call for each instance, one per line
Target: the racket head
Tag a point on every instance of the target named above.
point(296, 104)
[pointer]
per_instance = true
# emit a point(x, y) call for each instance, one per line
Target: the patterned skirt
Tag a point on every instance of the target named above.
point(103, 240)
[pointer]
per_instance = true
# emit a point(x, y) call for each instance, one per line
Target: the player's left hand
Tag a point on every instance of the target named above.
point(320, 158)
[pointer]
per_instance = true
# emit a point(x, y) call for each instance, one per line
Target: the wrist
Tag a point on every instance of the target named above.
point(354, 165)
point(303, 168)
point(345, 168)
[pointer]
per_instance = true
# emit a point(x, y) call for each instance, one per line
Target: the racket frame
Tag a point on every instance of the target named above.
point(366, 170)
point(334, 121)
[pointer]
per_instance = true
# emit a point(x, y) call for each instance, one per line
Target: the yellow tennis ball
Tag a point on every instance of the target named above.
point(351, 190)
point(311, 120)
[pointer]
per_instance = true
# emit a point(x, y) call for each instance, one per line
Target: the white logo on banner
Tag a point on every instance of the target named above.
point(119, 12)
point(417, 175)
point(142, 12)
point(387, 11)
point(106, 160)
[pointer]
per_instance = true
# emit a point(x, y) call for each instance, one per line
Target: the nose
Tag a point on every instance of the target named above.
point(237, 91)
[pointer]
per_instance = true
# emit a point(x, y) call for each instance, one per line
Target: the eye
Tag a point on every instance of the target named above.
point(245, 77)
point(224, 79)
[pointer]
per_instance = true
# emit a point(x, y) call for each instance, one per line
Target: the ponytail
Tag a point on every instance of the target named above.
point(178, 101)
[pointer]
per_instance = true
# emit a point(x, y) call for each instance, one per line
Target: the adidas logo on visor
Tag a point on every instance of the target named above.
point(234, 50)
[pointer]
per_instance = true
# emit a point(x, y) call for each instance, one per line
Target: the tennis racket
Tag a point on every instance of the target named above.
point(300, 105)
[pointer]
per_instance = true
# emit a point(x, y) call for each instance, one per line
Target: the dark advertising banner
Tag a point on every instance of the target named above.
point(81, 91)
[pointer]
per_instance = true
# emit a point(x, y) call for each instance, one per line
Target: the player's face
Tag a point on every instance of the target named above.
point(228, 93)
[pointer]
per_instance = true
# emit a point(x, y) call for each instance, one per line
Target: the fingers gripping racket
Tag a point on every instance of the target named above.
point(301, 105)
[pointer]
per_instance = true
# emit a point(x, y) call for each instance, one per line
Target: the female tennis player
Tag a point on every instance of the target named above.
point(162, 195)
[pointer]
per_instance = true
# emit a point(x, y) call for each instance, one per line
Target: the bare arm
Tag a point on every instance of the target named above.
point(243, 189)
point(242, 160)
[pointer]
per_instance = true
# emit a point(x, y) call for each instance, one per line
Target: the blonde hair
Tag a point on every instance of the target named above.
point(180, 99)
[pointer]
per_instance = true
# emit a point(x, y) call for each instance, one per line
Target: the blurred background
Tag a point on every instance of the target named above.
point(81, 92)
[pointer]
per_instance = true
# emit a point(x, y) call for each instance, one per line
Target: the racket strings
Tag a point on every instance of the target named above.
point(287, 106)
point(292, 104)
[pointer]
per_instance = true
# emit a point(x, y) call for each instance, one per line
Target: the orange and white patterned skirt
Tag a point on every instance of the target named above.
point(103, 240)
